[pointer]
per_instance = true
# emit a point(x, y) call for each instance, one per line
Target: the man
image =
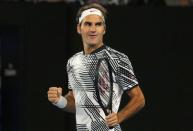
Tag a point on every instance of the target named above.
point(81, 67)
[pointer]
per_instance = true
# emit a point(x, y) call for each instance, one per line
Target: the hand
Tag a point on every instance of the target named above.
point(54, 94)
point(112, 119)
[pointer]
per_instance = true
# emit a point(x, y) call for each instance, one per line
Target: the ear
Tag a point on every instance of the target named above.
point(104, 32)
point(78, 29)
point(104, 29)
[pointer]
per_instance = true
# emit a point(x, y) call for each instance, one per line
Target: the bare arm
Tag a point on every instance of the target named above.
point(70, 103)
point(136, 103)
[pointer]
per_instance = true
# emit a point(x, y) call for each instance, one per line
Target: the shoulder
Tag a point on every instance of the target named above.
point(74, 57)
point(116, 53)
point(120, 58)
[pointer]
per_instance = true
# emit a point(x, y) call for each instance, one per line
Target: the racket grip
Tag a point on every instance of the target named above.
point(109, 112)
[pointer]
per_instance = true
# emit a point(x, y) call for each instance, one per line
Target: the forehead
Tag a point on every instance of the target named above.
point(92, 18)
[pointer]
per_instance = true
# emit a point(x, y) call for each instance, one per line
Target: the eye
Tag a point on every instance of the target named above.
point(99, 24)
point(87, 24)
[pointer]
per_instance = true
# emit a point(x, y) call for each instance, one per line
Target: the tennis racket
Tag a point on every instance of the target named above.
point(104, 85)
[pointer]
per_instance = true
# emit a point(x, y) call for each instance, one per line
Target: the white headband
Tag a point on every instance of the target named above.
point(91, 11)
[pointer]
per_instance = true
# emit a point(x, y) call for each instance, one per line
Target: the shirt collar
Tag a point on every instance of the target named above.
point(97, 50)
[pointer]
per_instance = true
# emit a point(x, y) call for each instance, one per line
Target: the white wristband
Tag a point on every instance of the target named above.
point(62, 103)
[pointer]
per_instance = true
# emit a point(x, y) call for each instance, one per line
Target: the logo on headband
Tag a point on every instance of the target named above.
point(92, 10)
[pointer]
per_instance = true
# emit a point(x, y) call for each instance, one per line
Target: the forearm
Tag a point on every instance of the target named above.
point(66, 103)
point(70, 107)
point(134, 105)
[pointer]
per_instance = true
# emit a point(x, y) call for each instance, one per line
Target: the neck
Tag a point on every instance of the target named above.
point(88, 49)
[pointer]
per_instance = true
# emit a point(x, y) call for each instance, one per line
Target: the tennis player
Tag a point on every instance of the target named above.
point(81, 98)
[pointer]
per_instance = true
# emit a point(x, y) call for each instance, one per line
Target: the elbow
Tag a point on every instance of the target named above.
point(141, 102)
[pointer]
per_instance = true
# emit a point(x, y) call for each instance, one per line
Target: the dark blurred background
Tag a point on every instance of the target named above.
point(37, 38)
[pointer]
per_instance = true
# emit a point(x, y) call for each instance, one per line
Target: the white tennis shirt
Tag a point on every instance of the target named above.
point(81, 74)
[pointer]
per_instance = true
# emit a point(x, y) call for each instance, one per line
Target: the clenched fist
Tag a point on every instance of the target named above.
point(54, 94)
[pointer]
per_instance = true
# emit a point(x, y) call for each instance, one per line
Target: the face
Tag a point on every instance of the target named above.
point(92, 29)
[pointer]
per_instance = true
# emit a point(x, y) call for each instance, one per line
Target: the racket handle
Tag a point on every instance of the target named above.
point(109, 112)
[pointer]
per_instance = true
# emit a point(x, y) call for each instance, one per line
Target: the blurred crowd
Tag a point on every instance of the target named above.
point(118, 2)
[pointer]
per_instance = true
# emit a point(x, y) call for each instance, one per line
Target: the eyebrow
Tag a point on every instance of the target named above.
point(97, 23)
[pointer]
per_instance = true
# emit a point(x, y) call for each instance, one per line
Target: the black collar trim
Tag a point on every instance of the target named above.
point(98, 49)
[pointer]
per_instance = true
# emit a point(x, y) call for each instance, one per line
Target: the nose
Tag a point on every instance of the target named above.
point(93, 28)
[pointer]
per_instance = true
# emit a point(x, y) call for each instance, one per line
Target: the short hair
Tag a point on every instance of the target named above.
point(88, 6)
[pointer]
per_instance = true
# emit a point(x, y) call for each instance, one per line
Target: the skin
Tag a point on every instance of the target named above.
point(92, 30)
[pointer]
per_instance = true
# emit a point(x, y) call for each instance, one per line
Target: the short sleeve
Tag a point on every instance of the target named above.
point(125, 74)
point(69, 72)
